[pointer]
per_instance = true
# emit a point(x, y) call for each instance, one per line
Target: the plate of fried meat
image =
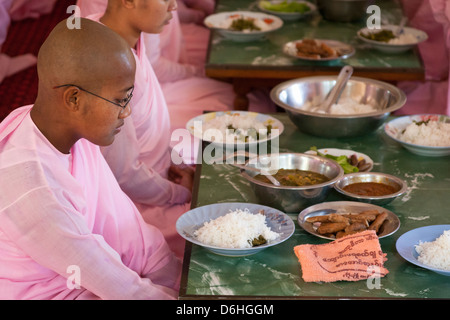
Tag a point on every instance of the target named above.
point(318, 49)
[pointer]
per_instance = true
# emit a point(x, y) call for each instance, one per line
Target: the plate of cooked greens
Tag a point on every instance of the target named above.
point(351, 161)
point(288, 10)
point(243, 26)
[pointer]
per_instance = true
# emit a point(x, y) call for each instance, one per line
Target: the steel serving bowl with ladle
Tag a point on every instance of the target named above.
point(295, 95)
point(292, 198)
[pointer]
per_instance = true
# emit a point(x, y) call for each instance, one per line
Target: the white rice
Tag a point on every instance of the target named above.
point(404, 38)
point(236, 229)
point(246, 126)
point(345, 106)
point(432, 134)
point(436, 253)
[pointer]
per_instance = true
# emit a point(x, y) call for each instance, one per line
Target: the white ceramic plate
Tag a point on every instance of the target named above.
point(216, 22)
point(344, 49)
point(288, 16)
point(419, 36)
point(347, 153)
point(395, 127)
point(344, 207)
point(406, 244)
point(196, 127)
point(276, 220)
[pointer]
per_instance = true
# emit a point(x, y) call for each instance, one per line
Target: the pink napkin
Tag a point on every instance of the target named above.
point(351, 258)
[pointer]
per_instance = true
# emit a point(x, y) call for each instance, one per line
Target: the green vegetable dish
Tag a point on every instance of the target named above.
point(242, 23)
point(381, 36)
point(285, 6)
point(349, 164)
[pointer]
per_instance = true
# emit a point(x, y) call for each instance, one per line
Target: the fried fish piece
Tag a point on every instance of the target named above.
point(331, 227)
point(332, 217)
point(356, 226)
point(376, 224)
point(311, 48)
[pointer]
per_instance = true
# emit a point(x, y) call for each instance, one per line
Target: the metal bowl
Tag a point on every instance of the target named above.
point(293, 95)
point(292, 199)
point(343, 10)
point(371, 177)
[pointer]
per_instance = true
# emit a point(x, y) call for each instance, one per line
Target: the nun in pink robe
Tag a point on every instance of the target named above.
point(431, 95)
point(189, 94)
point(140, 156)
point(177, 56)
point(18, 10)
point(65, 213)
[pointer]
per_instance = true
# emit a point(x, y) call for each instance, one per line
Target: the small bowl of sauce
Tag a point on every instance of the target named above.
point(371, 187)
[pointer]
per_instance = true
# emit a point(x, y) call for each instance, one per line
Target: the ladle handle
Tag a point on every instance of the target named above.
point(335, 93)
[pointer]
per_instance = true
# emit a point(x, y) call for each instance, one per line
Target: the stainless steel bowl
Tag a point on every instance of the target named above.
point(292, 199)
point(343, 10)
point(292, 96)
point(371, 177)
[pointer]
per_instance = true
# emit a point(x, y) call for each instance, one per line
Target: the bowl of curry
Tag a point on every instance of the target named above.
point(371, 187)
point(304, 179)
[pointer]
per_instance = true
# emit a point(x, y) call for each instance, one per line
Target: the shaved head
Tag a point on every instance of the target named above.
point(71, 63)
point(88, 56)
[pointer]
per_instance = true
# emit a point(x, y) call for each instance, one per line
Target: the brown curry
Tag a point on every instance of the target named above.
point(370, 189)
point(295, 177)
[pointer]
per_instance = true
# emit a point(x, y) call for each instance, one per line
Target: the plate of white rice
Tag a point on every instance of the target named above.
point(235, 128)
point(423, 134)
point(406, 40)
point(230, 229)
point(427, 247)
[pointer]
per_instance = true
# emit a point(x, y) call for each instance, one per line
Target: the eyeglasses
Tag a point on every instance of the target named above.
point(122, 103)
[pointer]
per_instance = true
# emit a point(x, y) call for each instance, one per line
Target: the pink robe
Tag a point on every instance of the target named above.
point(195, 11)
point(430, 96)
point(18, 10)
point(141, 156)
point(65, 222)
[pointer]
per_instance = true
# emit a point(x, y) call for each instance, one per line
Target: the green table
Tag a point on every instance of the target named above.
point(276, 273)
point(262, 63)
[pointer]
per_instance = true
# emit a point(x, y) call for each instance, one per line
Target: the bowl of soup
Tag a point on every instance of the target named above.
point(371, 187)
point(304, 179)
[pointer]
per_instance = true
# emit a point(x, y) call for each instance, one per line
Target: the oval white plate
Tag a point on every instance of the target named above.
point(406, 244)
point(276, 220)
point(215, 21)
point(395, 127)
point(193, 126)
point(344, 152)
point(345, 50)
point(393, 48)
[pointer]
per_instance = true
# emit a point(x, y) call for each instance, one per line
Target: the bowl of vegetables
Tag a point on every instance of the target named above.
point(288, 10)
